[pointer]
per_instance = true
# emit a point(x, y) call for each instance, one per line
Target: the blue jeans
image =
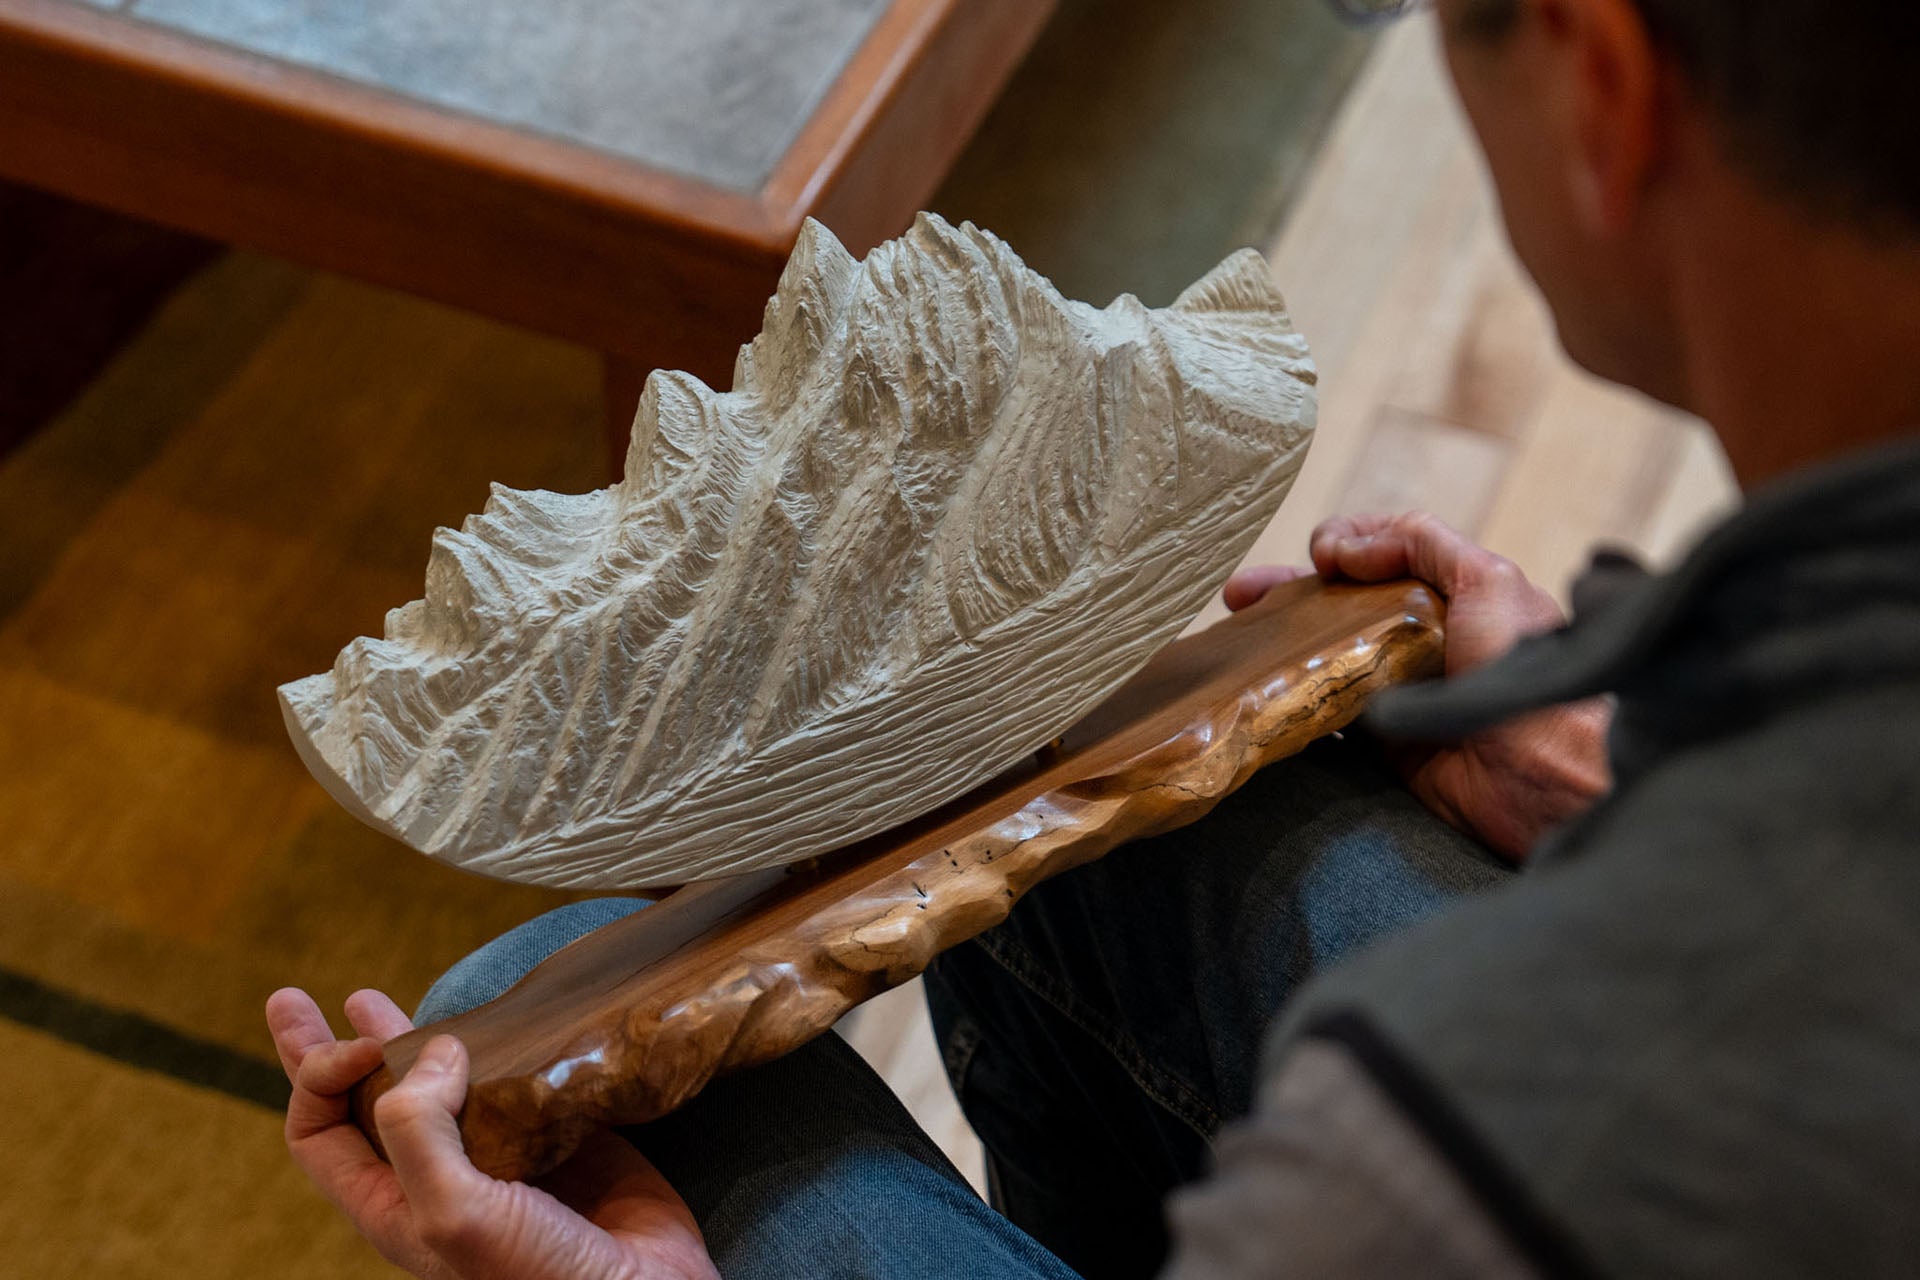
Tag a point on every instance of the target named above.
point(1097, 1041)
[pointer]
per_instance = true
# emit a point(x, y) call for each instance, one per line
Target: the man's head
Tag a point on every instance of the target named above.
point(1622, 132)
point(1817, 98)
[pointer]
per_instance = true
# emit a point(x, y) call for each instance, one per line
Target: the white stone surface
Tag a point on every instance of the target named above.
point(941, 514)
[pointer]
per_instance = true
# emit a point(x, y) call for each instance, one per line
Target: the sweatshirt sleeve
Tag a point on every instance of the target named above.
point(1336, 1175)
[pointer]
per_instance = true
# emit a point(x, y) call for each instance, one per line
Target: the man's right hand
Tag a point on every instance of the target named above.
point(1507, 785)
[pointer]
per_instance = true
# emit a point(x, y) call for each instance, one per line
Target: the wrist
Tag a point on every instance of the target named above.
point(1572, 761)
point(1534, 774)
point(1559, 768)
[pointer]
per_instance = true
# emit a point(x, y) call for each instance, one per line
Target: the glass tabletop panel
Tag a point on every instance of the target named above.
point(712, 89)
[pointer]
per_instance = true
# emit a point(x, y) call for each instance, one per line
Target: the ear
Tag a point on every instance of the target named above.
point(1616, 94)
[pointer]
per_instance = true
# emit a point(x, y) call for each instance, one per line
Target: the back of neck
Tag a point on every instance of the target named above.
point(1802, 339)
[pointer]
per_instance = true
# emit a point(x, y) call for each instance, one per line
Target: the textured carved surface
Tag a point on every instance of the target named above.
point(943, 512)
point(631, 1021)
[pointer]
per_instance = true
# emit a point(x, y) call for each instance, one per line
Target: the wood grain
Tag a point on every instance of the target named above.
point(627, 1024)
point(891, 127)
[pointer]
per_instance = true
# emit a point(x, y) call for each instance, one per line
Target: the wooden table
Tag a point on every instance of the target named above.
point(626, 174)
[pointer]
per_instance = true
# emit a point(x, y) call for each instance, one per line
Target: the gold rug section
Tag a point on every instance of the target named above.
point(117, 1172)
point(251, 484)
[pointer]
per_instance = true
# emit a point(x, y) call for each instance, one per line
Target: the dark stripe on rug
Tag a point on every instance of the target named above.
point(141, 1042)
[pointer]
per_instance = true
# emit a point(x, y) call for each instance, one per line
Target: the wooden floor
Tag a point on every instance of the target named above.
point(1442, 384)
point(253, 481)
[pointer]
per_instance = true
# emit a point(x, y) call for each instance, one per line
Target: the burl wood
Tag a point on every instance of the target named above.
point(630, 1022)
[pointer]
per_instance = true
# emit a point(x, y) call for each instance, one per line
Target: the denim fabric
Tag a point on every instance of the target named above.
point(1097, 1039)
point(487, 973)
point(804, 1167)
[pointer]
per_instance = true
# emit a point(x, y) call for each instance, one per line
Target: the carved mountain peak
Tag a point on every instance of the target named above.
point(941, 513)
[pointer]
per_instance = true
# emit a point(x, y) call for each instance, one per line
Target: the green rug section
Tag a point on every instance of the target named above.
point(1142, 141)
point(140, 1042)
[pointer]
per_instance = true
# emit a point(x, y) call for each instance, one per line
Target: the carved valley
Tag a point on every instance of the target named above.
point(942, 512)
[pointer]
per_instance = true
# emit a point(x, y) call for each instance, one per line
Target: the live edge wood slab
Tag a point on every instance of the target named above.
point(631, 1021)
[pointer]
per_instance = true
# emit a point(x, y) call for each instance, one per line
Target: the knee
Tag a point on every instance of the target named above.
point(488, 972)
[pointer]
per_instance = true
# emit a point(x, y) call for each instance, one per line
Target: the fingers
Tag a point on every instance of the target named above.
point(335, 1068)
point(418, 1125)
point(320, 1086)
point(372, 1013)
point(340, 1162)
point(1374, 548)
point(1248, 586)
point(320, 1068)
point(297, 1025)
point(332, 1152)
point(1360, 526)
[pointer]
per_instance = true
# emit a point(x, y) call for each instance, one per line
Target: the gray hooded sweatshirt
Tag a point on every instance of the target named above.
point(1687, 1040)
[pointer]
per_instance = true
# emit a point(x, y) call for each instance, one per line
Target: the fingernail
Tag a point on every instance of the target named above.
point(1357, 542)
point(438, 1055)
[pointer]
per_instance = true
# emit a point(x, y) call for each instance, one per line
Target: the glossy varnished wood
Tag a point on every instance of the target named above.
point(628, 1023)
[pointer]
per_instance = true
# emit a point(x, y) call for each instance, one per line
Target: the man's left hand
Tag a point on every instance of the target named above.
point(1506, 786)
point(605, 1212)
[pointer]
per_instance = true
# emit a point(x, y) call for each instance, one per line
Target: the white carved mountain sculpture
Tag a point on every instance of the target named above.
point(941, 514)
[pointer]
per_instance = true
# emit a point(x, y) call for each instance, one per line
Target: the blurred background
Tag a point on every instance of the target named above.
point(219, 462)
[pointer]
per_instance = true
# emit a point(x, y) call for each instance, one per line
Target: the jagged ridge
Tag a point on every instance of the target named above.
point(941, 513)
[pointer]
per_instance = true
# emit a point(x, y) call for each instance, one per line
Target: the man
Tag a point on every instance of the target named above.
point(1685, 1040)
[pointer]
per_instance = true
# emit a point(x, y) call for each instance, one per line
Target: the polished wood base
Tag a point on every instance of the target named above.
point(628, 1023)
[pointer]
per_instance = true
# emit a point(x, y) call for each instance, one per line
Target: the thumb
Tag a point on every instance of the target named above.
point(1249, 586)
point(474, 1225)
